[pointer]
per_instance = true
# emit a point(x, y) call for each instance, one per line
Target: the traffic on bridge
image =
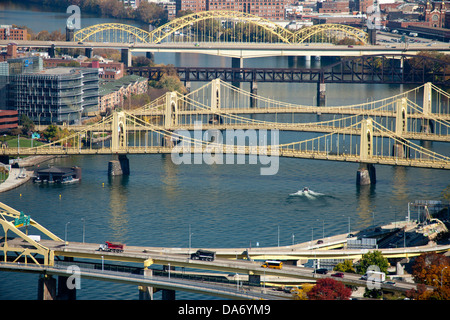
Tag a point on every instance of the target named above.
point(58, 257)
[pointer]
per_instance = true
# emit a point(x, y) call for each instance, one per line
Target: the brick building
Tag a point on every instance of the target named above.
point(112, 93)
point(268, 9)
point(435, 14)
point(7, 32)
point(108, 71)
point(9, 119)
point(334, 7)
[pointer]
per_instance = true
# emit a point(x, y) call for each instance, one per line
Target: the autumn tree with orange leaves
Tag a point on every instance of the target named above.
point(431, 269)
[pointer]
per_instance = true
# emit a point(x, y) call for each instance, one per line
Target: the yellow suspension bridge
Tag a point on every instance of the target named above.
point(379, 132)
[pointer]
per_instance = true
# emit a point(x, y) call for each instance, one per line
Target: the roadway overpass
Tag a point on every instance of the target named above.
point(241, 50)
point(24, 253)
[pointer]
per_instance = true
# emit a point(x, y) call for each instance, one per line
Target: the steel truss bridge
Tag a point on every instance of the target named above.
point(220, 26)
point(386, 69)
point(377, 132)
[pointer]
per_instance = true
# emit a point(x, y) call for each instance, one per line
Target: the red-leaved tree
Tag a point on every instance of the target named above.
point(329, 289)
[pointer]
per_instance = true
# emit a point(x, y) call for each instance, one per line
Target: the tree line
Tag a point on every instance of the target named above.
point(150, 13)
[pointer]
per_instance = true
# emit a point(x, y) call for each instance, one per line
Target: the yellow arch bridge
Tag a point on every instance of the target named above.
point(220, 26)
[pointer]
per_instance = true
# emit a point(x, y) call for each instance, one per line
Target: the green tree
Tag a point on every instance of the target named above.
point(346, 266)
point(171, 83)
point(26, 123)
point(373, 258)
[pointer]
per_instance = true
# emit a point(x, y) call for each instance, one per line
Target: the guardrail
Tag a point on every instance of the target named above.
point(233, 291)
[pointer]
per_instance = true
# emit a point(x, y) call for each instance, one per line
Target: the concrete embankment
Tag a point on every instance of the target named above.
point(19, 174)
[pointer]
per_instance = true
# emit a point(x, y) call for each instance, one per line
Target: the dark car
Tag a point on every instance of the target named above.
point(322, 271)
point(338, 274)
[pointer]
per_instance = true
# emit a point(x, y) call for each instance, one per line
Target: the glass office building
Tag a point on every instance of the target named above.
point(54, 95)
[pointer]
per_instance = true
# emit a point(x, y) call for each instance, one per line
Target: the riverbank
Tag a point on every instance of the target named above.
point(16, 177)
point(19, 175)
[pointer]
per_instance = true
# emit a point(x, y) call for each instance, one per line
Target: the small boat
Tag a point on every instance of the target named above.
point(305, 189)
point(69, 179)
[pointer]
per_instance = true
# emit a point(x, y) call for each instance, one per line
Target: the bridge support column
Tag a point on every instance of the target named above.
point(398, 150)
point(254, 279)
point(307, 61)
point(321, 97)
point(46, 287)
point(119, 167)
point(372, 36)
point(427, 126)
point(366, 174)
point(89, 52)
point(146, 293)
point(168, 294)
point(126, 57)
point(69, 33)
point(293, 61)
point(237, 62)
point(187, 85)
point(51, 51)
point(64, 293)
point(426, 98)
point(253, 90)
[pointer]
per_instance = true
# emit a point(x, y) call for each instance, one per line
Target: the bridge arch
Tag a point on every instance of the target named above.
point(328, 31)
point(112, 32)
point(275, 32)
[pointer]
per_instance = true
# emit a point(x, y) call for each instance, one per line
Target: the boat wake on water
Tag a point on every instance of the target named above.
point(308, 193)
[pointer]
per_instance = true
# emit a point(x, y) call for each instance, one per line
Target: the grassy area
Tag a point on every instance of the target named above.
point(24, 142)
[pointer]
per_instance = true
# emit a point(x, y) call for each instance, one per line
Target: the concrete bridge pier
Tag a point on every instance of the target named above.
point(293, 61)
point(51, 51)
point(50, 289)
point(187, 85)
point(400, 150)
point(366, 174)
point(89, 52)
point(307, 61)
point(126, 57)
point(237, 62)
point(46, 287)
point(65, 293)
point(168, 294)
point(119, 167)
point(146, 293)
point(321, 97)
point(253, 90)
point(427, 126)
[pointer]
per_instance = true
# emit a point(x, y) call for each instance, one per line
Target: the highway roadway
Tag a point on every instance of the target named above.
point(243, 50)
point(235, 260)
point(227, 266)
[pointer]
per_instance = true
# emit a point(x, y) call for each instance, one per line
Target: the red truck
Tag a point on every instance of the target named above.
point(111, 247)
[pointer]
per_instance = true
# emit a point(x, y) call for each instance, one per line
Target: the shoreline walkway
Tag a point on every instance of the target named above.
point(19, 176)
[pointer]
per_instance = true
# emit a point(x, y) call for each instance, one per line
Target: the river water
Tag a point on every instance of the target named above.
point(223, 205)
